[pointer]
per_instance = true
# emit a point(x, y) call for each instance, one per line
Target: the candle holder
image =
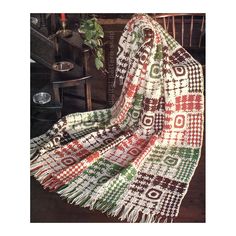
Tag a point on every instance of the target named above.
point(63, 23)
point(64, 33)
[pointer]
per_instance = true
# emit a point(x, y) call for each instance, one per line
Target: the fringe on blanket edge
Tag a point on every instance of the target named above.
point(135, 214)
point(124, 211)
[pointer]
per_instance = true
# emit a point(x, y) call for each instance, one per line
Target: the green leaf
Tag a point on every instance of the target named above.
point(93, 34)
point(98, 63)
point(93, 42)
point(88, 44)
point(88, 35)
point(99, 30)
point(89, 22)
point(82, 29)
point(100, 54)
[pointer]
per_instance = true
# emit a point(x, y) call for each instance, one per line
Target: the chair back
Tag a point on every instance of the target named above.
point(188, 29)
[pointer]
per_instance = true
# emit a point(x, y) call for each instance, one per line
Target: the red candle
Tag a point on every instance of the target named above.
point(63, 17)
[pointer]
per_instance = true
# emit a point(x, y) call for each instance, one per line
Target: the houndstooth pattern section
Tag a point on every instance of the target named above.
point(190, 102)
point(165, 68)
point(159, 115)
point(195, 77)
point(175, 86)
point(122, 67)
point(180, 57)
point(169, 106)
point(72, 171)
point(172, 137)
point(195, 129)
point(159, 121)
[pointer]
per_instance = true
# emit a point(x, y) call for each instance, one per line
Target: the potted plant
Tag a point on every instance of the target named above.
point(92, 33)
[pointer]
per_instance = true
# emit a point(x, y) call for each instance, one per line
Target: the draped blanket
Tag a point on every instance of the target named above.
point(136, 159)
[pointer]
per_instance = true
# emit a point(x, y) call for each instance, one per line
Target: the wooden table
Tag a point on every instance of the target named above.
point(72, 78)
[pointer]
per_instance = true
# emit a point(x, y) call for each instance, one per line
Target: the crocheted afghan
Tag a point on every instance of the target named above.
point(136, 159)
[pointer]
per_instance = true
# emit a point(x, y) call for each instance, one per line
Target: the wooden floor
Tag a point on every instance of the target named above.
point(49, 207)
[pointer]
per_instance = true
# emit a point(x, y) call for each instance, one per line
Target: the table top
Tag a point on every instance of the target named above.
point(69, 78)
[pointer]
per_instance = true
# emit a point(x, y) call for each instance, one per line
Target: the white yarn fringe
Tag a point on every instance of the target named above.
point(133, 214)
point(42, 172)
point(75, 194)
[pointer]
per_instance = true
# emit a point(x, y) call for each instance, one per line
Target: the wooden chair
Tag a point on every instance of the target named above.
point(188, 29)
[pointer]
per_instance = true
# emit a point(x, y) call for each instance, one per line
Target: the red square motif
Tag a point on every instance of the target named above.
point(179, 121)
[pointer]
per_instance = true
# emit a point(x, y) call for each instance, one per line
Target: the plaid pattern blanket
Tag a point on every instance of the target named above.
point(136, 159)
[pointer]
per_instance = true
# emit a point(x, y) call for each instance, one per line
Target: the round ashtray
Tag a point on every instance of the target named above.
point(63, 66)
point(42, 98)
